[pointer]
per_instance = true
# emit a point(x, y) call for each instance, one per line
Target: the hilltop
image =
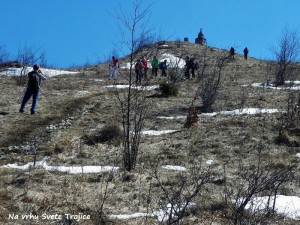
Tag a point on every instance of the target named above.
point(72, 110)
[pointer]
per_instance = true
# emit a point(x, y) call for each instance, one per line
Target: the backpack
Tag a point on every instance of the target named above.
point(163, 66)
point(196, 66)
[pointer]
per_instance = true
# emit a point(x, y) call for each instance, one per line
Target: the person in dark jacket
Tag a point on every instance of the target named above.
point(163, 67)
point(187, 67)
point(246, 51)
point(33, 89)
point(231, 52)
point(138, 67)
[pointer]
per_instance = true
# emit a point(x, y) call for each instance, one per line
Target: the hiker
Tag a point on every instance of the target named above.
point(187, 67)
point(138, 71)
point(145, 67)
point(192, 67)
point(231, 53)
point(246, 51)
point(113, 68)
point(155, 65)
point(163, 67)
point(33, 89)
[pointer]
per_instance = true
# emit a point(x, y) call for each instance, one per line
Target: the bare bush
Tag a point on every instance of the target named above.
point(210, 85)
point(286, 54)
point(260, 178)
point(110, 133)
point(178, 194)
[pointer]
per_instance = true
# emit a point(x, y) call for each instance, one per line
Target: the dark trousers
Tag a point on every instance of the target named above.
point(34, 92)
point(154, 71)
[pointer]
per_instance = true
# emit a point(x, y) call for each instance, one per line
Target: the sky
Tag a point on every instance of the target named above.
point(77, 32)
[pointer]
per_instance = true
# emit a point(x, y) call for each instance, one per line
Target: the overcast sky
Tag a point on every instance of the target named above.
point(78, 32)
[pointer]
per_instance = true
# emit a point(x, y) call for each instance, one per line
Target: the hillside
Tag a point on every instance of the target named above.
point(73, 109)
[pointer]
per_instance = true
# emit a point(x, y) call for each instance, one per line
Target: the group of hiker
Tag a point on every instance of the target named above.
point(140, 67)
point(232, 53)
point(190, 67)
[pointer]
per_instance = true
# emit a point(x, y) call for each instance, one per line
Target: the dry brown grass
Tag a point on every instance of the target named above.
point(93, 106)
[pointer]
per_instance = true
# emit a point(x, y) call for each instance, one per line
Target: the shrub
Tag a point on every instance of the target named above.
point(168, 89)
point(109, 133)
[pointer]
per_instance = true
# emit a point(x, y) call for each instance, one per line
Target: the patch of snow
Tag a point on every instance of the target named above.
point(247, 111)
point(209, 162)
point(162, 214)
point(272, 86)
point(157, 132)
point(171, 117)
point(143, 88)
point(47, 72)
point(178, 168)
point(298, 155)
point(128, 216)
point(64, 169)
point(286, 205)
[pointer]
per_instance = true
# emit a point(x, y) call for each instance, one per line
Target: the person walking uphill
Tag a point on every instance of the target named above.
point(113, 68)
point(33, 89)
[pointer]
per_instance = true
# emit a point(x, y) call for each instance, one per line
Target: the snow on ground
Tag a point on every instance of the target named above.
point(162, 214)
point(178, 168)
point(64, 169)
point(293, 85)
point(171, 117)
point(248, 111)
point(236, 112)
point(143, 88)
point(47, 72)
point(157, 132)
point(173, 61)
point(286, 205)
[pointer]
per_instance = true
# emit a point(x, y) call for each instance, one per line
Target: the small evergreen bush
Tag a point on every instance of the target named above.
point(110, 133)
point(168, 89)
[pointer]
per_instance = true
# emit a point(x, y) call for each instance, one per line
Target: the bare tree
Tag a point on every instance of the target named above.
point(132, 103)
point(210, 85)
point(286, 54)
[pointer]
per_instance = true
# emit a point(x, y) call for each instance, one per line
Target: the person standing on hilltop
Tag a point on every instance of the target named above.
point(231, 53)
point(33, 89)
point(155, 65)
point(113, 68)
point(246, 51)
